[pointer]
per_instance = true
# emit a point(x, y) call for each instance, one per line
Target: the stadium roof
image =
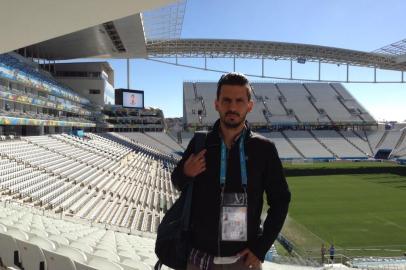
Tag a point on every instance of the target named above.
point(121, 38)
point(397, 49)
point(156, 34)
point(96, 42)
point(206, 48)
point(24, 23)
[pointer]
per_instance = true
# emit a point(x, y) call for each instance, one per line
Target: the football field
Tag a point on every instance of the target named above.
point(362, 214)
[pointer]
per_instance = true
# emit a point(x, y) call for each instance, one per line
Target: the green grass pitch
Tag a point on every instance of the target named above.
point(362, 214)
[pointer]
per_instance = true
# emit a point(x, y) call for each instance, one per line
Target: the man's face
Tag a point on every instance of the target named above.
point(233, 105)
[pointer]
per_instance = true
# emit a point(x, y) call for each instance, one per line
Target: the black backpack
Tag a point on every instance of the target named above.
point(172, 245)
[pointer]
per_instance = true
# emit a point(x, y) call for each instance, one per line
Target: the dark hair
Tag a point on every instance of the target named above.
point(234, 78)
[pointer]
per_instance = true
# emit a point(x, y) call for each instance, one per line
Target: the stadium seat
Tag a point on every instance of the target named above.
point(112, 256)
point(56, 261)
point(17, 234)
point(32, 257)
point(39, 232)
point(73, 253)
point(82, 246)
point(135, 264)
point(130, 254)
point(102, 264)
point(9, 254)
point(80, 266)
point(43, 243)
point(59, 239)
point(3, 228)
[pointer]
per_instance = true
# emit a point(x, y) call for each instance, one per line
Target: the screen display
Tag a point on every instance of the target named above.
point(133, 100)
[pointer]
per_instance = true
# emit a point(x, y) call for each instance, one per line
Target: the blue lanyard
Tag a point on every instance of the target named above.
point(223, 162)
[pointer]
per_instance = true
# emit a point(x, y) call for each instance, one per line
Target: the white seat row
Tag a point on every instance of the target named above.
point(33, 241)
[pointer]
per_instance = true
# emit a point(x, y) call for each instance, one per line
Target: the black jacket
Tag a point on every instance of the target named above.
point(265, 173)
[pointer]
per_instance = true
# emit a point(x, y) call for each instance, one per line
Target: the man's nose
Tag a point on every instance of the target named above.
point(233, 106)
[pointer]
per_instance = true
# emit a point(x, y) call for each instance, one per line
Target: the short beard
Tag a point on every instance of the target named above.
point(232, 125)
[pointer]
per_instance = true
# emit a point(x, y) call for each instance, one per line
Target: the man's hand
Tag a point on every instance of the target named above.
point(251, 261)
point(195, 164)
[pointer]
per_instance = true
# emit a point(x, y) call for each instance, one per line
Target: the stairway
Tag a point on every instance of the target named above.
point(399, 143)
point(369, 143)
point(325, 146)
point(282, 99)
point(155, 139)
point(341, 100)
point(382, 139)
point(266, 113)
point(312, 100)
point(292, 144)
point(359, 149)
point(201, 100)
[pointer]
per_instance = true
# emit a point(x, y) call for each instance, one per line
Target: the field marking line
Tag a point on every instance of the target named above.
point(388, 221)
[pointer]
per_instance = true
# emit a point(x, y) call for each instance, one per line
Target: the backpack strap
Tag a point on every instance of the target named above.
point(158, 265)
point(200, 143)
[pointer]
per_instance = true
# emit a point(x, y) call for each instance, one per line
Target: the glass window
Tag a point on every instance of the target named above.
point(94, 91)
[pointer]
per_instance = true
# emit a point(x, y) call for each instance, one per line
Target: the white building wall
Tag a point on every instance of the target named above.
point(83, 85)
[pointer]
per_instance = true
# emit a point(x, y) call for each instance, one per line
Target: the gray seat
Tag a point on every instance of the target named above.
point(32, 257)
point(57, 261)
point(9, 251)
point(73, 253)
point(102, 264)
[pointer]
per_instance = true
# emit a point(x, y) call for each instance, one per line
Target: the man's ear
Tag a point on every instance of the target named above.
point(216, 104)
point(250, 105)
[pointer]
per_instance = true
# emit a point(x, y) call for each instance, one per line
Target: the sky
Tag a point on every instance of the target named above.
point(363, 25)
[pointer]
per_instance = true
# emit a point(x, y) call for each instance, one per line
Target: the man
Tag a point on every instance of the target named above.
point(132, 99)
point(323, 253)
point(230, 176)
point(332, 252)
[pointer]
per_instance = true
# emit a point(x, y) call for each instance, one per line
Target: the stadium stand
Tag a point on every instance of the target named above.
point(305, 120)
point(390, 139)
point(299, 101)
point(280, 104)
point(272, 99)
point(326, 99)
point(285, 148)
point(205, 92)
point(375, 138)
point(326, 117)
point(358, 140)
point(308, 145)
point(338, 145)
point(165, 139)
point(92, 178)
point(32, 102)
point(33, 239)
point(192, 104)
point(57, 243)
point(400, 149)
point(259, 113)
point(354, 107)
point(158, 140)
point(390, 263)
